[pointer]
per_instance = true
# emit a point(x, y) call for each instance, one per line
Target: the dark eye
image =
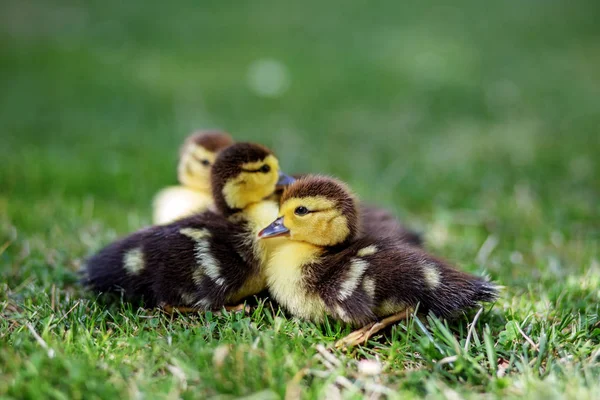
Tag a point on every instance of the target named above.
point(202, 161)
point(265, 168)
point(301, 210)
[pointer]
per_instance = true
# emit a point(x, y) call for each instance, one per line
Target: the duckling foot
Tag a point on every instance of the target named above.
point(362, 335)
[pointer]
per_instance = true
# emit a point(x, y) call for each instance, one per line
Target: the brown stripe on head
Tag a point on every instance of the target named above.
point(212, 141)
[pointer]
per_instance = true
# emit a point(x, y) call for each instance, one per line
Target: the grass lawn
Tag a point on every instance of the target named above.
point(477, 123)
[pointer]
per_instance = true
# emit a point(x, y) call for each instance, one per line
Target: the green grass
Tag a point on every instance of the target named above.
point(477, 123)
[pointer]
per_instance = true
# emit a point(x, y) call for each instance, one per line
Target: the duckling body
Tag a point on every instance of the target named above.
point(325, 266)
point(367, 280)
point(207, 260)
point(194, 194)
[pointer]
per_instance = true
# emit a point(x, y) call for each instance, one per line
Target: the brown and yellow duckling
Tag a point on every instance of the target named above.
point(325, 268)
point(193, 195)
point(207, 260)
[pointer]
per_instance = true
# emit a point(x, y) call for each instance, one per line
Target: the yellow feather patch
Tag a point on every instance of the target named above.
point(367, 251)
point(187, 298)
point(203, 303)
point(432, 275)
point(368, 286)
point(325, 225)
point(353, 278)
point(389, 307)
point(196, 234)
point(134, 261)
point(286, 279)
point(206, 263)
point(258, 216)
point(342, 314)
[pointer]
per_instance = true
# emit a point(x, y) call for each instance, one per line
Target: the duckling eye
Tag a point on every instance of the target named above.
point(202, 161)
point(265, 168)
point(301, 210)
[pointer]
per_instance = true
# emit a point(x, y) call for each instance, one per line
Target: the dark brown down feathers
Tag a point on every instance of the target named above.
point(399, 273)
point(170, 262)
point(371, 276)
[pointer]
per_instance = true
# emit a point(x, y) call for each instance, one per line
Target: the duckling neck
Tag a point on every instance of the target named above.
point(257, 216)
point(286, 274)
point(261, 214)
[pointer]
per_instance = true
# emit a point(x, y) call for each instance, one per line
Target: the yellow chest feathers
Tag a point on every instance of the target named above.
point(260, 215)
point(285, 278)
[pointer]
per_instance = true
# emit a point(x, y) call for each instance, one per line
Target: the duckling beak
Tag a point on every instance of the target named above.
point(284, 180)
point(275, 229)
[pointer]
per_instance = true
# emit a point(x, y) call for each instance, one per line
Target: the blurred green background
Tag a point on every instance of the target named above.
point(476, 122)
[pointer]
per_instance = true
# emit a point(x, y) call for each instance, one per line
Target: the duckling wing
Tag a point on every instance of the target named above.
point(404, 276)
point(207, 259)
point(373, 278)
point(340, 278)
point(196, 261)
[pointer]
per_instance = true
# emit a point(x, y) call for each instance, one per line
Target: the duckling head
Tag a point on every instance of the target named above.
point(244, 174)
point(318, 210)
point(197, 155)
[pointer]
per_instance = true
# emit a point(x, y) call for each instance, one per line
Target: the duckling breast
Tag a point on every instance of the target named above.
point(287, 279)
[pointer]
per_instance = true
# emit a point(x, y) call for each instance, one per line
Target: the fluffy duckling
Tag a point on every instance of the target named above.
point(325, 268)
point(194, 195)
point(209, 259)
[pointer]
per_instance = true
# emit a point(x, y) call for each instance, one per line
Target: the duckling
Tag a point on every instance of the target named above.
point(324, 267)
point(209, 259)
point(196, 157)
